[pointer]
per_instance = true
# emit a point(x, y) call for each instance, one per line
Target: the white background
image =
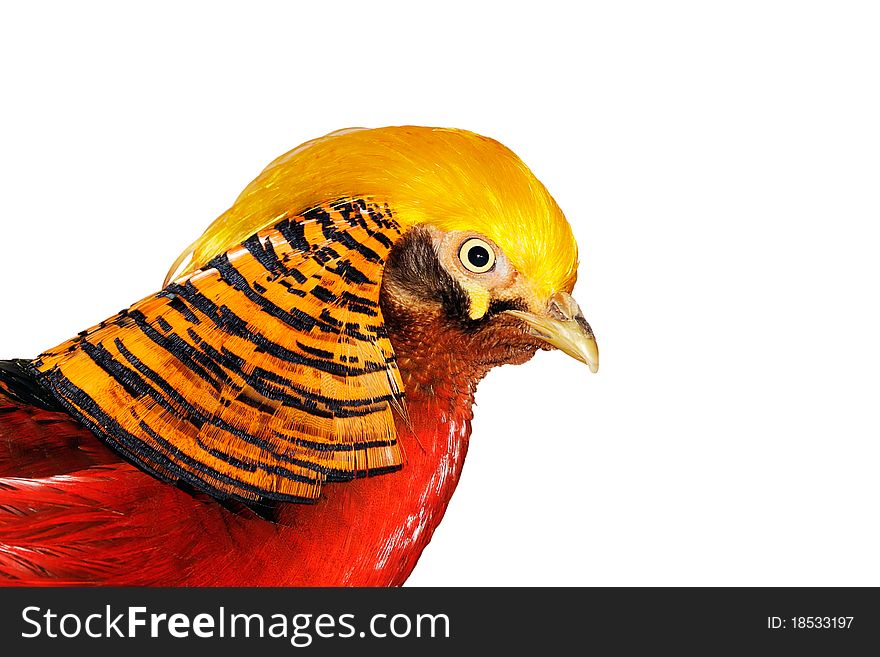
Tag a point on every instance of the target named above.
point(719, 163)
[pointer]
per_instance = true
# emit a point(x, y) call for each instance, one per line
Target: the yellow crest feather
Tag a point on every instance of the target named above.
point(452, 179)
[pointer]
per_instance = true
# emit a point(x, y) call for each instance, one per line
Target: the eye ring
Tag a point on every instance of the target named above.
point(477, 255)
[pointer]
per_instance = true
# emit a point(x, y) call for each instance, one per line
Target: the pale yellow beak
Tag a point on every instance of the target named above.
point(564, 327)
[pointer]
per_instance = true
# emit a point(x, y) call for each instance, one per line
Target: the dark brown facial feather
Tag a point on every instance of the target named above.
point(441, 351)
point(415, 271)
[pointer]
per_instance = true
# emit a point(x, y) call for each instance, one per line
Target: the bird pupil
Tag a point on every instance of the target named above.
point(478, 256)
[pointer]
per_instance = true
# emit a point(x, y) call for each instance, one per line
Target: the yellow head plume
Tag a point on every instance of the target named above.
point(453, 179)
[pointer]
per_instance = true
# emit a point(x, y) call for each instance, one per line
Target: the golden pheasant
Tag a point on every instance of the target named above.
point(294, 406)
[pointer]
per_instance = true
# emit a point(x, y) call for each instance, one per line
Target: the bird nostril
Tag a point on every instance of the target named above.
point(563, 307)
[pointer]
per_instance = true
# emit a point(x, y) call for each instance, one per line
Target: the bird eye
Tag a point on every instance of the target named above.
point(477, 256)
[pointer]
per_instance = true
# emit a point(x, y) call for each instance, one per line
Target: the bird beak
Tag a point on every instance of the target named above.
point(563, 326)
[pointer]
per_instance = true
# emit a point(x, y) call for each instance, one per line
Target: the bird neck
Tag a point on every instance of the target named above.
point(372, 531)
point(435, 444)
point(435, 436)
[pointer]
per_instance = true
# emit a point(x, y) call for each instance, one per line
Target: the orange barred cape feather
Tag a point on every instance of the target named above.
point(260, 375)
